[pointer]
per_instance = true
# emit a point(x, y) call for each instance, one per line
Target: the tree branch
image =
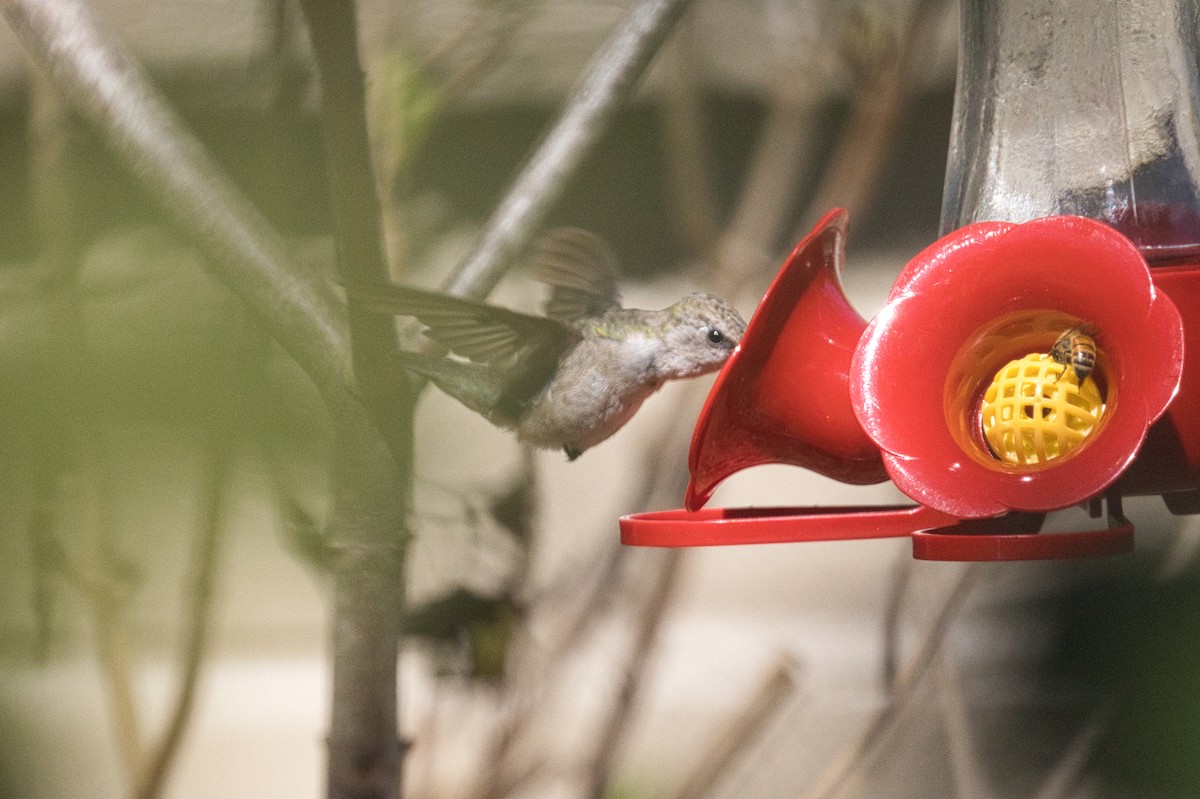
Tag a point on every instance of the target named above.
point(1067, 773)
point(610, 80)
point(364, 747)
point(852, 174)
point(743, 730)
point(693, 202)
point(966, 770)
point(903, 689)
point(649, 623)
point(109, 89)
point(355, 205)
point(233, 415)
point(898, 583)
point(152, 773)
point(72, 438)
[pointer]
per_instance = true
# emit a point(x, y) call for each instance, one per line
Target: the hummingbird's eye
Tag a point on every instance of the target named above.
point(715, 336)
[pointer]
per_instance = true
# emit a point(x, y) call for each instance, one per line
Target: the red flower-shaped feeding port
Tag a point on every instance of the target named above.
point(783, 396)
point(981, 297)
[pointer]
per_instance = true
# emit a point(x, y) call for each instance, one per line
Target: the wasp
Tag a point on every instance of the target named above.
point(1076, 349)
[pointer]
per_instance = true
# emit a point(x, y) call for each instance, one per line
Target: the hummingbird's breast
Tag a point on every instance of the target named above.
point(598, 387)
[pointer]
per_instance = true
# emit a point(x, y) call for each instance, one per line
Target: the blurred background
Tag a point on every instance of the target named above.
point(164, 468)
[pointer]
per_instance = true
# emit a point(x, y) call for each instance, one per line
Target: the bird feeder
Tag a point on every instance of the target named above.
point(1072, 202)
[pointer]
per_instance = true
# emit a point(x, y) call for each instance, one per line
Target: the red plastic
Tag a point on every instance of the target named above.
point(1182, 285)
point(729, 526)
point(976, 299)
point(783, 396)
point(935, 535)
point(945, 544)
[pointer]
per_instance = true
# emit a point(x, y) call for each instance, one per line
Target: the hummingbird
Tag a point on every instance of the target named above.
point(569, 379)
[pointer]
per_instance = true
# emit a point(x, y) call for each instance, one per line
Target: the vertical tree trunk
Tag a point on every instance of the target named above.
point(368, 532)
point(364, 747)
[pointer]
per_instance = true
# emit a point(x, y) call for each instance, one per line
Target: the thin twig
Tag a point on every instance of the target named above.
point(233, 414)
point(649, 622)
point(614, 561)
point(153, 772)
point(608, 83)
point(693, 196)
point(112, 646)
point(757, 218)
point(853, 756)
point(104, 584)
point(1078, 753)
point(770, 183)
point(901, 576)
point(60, 240)
point(610, 80)
point(465, 77)
point(667, 483)
point(44, 549)
point(107, 595)
point(52, 167)
point(742, 731)
point(852, 174)
point(662, 455)
point(969, 778)
point(507, 777)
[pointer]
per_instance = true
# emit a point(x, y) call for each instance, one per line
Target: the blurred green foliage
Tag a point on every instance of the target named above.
point(1131, 639)
point(407, 104)
point(144, 357)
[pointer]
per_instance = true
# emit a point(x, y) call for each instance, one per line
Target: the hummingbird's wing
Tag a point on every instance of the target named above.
point(581, 269)
point(483, 333)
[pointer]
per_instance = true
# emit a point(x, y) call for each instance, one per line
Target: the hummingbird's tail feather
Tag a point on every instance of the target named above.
point(474, 385)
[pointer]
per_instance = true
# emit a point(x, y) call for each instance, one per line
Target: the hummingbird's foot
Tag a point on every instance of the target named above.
point(572, 452)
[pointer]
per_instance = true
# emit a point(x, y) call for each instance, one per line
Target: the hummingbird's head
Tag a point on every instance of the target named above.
point(701, 333)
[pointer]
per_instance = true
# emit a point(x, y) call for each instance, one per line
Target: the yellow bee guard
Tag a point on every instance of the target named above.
point(1035, 410)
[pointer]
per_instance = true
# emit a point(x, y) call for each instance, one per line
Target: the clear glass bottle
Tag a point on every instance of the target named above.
point(1085, 107)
